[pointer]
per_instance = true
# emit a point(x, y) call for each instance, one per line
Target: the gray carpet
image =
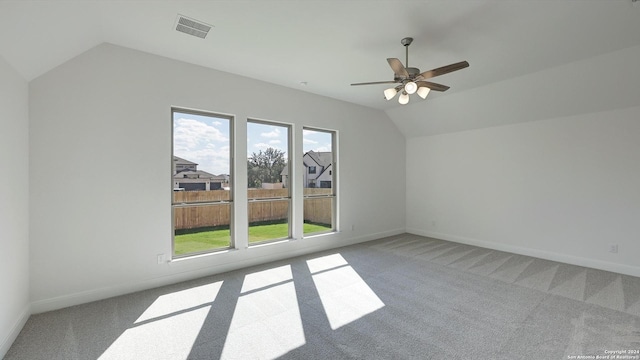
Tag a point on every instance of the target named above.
point(403, 297)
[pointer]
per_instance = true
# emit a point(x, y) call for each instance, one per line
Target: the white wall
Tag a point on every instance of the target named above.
point(14, 205)
point(110, 107)
point(562, 186)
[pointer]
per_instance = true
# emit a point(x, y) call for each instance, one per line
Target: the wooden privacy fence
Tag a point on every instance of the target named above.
point(190, 217)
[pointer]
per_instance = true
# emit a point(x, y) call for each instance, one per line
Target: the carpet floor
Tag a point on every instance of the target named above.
point(401, 297)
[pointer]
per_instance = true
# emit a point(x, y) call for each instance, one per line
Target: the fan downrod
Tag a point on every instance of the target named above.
point(406, 42)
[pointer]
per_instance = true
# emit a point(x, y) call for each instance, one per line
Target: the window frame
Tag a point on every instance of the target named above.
point(334, 184)
point(230, 202)
point(288, 197)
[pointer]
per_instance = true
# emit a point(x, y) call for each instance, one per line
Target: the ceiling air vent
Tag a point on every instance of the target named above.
point(192, 26)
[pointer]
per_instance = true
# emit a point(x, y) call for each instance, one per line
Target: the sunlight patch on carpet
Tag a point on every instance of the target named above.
point(267, 318)
point(152, 333)
point(345, 296)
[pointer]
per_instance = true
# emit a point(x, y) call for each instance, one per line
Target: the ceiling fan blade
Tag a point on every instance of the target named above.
point(398, 68)
point(443, 70)
point(432, 86)
point(375, 82)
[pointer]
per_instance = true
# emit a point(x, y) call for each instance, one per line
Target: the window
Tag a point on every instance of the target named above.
point(312, 169)
point(202, 174)
point(320, 191)
point(268, 177)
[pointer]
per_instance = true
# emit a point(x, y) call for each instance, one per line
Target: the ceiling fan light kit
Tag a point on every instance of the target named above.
point(403, 98)
point(410, 87)
point(390, 93)
point(410, 80)
point(423, 92)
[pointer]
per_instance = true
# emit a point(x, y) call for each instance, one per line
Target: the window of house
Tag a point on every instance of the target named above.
point(320, 192)
point(268, 181)
point(312, 169)
point(201, 210)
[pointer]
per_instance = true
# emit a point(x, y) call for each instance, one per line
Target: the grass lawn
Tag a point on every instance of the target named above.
point(211, 239)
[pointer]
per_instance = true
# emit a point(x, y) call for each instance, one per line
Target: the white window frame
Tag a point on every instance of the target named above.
point(289, 197)
point(174, 205)
point(334, 183)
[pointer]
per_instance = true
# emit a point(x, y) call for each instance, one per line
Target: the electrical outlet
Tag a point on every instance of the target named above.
point(160, 258)
point(613, 248)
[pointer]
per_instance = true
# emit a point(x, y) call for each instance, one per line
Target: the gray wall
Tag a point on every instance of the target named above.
point(14, 205)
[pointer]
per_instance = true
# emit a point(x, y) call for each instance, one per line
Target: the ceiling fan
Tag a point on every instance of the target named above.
point(410, 80)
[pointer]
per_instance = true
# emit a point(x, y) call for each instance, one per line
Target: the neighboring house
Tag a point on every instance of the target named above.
point(318, 170)
point(180, 165)
point(186, 176)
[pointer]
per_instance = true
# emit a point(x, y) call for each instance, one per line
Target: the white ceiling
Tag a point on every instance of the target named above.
point(328, 44)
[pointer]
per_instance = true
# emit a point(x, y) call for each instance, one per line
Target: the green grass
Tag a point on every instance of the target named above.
point(197, 240)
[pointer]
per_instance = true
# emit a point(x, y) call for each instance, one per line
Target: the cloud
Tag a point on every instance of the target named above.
point(202, 143)
point(276, 141)
point(262, 145)
point(309, 141)
point(275, 132)
point(191, 134)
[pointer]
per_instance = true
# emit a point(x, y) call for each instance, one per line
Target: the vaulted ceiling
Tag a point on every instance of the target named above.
point(328, 44)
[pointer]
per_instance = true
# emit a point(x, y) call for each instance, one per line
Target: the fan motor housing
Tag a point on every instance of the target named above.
point(413, 72)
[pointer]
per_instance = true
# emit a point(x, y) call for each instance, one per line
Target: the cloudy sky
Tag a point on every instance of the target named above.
point(205, 140)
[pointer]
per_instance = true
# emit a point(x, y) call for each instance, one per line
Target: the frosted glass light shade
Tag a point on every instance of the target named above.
point(390, 93)
point(410, 87)
point(423, 92)
point(404, 98)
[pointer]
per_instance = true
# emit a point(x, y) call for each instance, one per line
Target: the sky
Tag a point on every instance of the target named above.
point(205, 140)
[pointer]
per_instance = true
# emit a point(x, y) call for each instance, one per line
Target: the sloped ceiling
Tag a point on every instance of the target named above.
point(329, 44)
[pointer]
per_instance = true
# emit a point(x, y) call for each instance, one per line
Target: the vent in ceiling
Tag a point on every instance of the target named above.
point(192, 26)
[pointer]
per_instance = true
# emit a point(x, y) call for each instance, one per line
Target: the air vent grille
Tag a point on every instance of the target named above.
point(192, 26)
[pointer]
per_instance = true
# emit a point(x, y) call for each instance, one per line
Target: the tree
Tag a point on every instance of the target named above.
point(265, 167)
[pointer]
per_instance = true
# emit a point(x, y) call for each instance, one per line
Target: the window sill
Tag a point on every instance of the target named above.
point(318, 235)
point(270, 242)
point(203, 255)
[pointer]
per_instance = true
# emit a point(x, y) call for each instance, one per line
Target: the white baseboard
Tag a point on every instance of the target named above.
point(318, 244)
point(542, 254)
point(14, 331)
point(375, 236)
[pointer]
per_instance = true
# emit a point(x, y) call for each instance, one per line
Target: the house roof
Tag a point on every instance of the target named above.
point(324, 170)
point(198, 173)
point(181, 161)
point(321, 158)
